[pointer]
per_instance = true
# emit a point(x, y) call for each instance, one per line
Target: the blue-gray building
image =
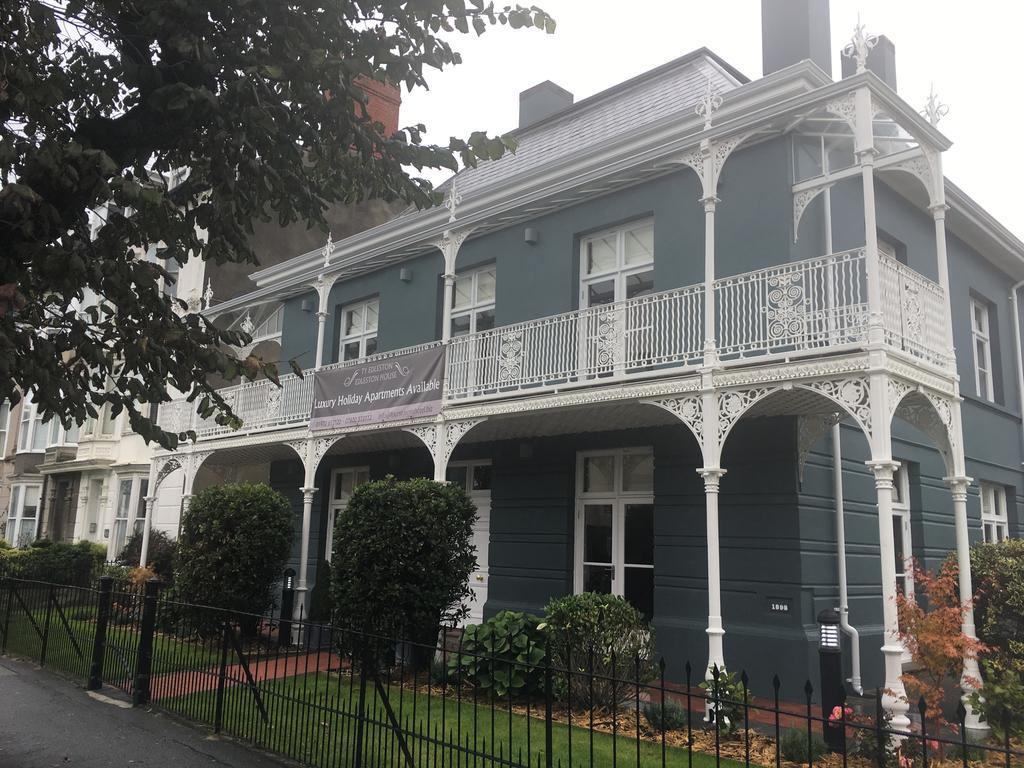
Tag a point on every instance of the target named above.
point(734, 349)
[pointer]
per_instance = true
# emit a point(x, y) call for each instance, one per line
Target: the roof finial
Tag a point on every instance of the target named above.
point(208, 293)
point(328, 247)
point(860, 46)
point(934, 110)
point(709, 103)
point(247, 326)
point(452, 201)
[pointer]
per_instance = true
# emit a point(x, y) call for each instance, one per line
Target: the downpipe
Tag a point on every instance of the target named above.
point(844, 603)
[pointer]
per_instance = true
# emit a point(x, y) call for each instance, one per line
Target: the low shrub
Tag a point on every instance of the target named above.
point(668, 717)
point(794, 746)
point(604, 642)
point(505, 653)
point(160, 557)
point(1003, 692)
point(725, 698)
point(75, 565)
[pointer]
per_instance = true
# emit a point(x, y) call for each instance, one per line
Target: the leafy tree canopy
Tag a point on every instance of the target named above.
point(104, 101)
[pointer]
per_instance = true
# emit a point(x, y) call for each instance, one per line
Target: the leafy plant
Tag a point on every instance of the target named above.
point(505, 653)
point(59, 563)
point(403, 553)
point(794, 747)
point(1002, 694)
point(604, 643)
point(669, 716)
point(724, 695)
point(235, 540)
point(160, 557)
point(931, 630)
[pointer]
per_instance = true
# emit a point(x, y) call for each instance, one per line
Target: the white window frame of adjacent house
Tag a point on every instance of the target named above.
point(472, 305)
point(5, 426)
point(995, 524)
point(129, 511)
point(981, 338)
point(476, 478)
point(361, 333)
point(16, 519)
point(339, 499)
point(31, 437)
point(622, 270)
point(618, 497)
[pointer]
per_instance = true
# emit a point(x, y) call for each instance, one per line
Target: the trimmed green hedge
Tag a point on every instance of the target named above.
point(76, 565)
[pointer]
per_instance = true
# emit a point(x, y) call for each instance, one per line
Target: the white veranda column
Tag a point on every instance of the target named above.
point(307, 520)
point(710, 202)
point(894, 695)
point(446, 310)
point(971, 675)
point(323, 292)
point(715, 631)
point(146, 528)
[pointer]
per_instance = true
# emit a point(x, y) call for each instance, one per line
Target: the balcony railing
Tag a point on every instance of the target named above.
point(804, 308)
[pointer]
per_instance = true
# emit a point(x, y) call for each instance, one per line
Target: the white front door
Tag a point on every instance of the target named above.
point(475, 478)
point(343, 482)
point(615, 525)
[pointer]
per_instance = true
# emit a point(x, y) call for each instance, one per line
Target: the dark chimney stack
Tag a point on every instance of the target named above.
point(881, 61)
point(541, 101)
point(794, 30)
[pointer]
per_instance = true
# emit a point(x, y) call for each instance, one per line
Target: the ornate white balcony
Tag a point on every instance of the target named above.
point(799, 310)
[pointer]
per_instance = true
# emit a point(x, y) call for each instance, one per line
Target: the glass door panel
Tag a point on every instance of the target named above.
point(598, 567)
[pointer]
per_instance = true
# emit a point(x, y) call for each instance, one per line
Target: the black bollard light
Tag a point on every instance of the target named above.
point(830, 660)
point(284, 627)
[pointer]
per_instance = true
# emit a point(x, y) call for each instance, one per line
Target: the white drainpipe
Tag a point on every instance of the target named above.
point(844, 602)
point(1017, 353)
point(837, 491)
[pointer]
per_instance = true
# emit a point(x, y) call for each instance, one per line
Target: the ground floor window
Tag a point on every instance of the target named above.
point(343, 482)
point(23, 518)
point(994, 522)
point(901, 531)
point(615, 525)
point(130, 511)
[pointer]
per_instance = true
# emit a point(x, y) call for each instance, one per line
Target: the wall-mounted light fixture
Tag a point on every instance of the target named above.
point(307, 305)
point(531, 236)
point(405, 274)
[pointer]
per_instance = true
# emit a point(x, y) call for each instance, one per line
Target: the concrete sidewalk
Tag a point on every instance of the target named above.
point(47, 721)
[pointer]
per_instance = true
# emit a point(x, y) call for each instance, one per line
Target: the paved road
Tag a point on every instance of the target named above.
point(46, 721)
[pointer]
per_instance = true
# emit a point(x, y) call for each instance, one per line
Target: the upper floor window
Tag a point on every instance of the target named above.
point(31, 433)
point(473, 301)
point(617, 265)
point(171, 267)
point(359, 329)
point(5, 422)
point(994, 523)
point(982, 336)
point(58, 435)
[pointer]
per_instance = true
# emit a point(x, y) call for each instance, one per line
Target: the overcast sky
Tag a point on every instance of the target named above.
point(971, 51)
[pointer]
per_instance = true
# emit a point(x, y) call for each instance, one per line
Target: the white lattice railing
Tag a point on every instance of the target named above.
point(913, 312)
point(804, 305)
point(613, 340)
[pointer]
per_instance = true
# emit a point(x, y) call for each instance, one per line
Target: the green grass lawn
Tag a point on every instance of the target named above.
point(311, 719)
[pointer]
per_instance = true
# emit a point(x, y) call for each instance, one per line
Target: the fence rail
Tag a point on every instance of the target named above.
point(332, 698)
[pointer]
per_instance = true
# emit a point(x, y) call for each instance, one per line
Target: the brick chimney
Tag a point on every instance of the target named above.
point(383, 102)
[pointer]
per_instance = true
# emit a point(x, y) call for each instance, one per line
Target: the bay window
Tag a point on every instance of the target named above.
point(23, 517)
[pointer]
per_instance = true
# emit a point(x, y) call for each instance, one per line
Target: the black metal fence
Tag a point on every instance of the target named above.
point(335, 698)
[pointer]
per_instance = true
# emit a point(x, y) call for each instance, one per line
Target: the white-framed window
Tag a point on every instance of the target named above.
point(343, 482)
point(982, 338)
point(23, 518)
point(471, 476)
point(31, 433)
point(994, 523)
point(473, 301)
point(614, 543)
point(5, 425)
point(904, 549)
point(129, 511)
point(617, 264)
point(359, 329)
point(56, 434)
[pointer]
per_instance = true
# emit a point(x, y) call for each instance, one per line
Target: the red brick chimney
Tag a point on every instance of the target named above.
point(383, 102)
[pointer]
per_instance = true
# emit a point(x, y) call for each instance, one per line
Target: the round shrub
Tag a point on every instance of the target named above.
point(235, 540)
point(669, 717)
point(602, 634)
point(160, 558)
point(505, 653)
point(402, 557)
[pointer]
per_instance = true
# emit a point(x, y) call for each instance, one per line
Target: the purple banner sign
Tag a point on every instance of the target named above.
point(393, 389)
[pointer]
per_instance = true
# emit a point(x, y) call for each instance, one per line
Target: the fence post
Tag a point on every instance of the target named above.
point(222, 674)
point(144, 659)
point(99, 642)
point(548, 736)
point(46, 625)
point(284, 627)
point(7, 614)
